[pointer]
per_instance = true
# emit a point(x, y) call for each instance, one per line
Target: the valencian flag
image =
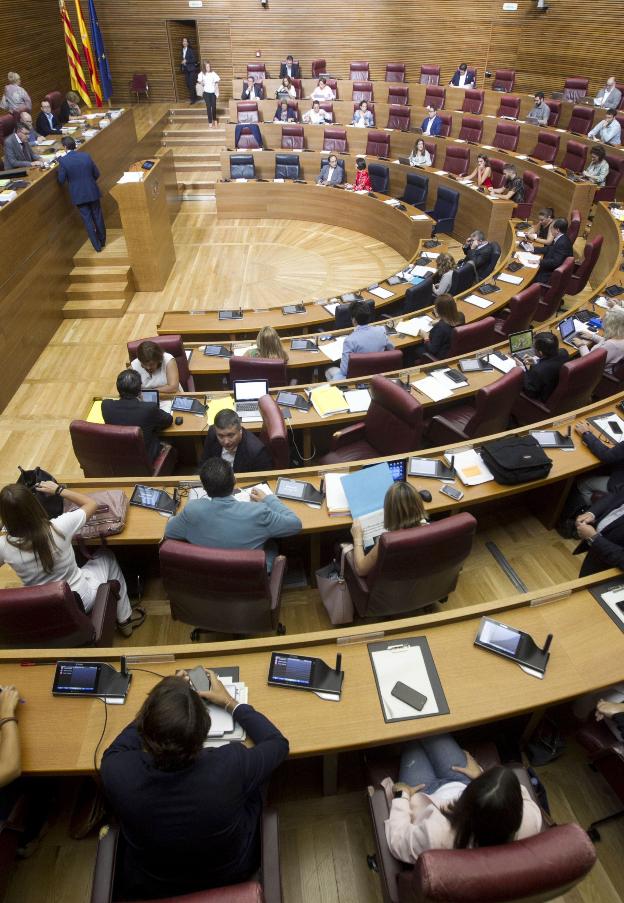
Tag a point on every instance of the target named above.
point(86, 46)
point(100, 53)
point(76, 74)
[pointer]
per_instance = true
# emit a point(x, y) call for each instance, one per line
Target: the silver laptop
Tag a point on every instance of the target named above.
point(247, 392)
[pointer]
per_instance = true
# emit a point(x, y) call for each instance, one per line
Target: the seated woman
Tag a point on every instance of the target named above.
point(284, 113)
point(443, 275)
point(70, 106)
point(362, 178)
point(612, 340)
point(444, 800)
point(322, 91)
point(543, 232)
point(268, 346)
point(512, 188)
point(286, 89)
point(363, 118)
point(40, 550)
point(403, 509)
point(157, 368)
point(420, 156)
point(438, 340)
point(598, 168)
point(482, 172)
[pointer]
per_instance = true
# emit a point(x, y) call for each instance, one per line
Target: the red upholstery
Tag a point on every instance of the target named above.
point(547, 147)
point(509, 106)
point(257, 71)
point(48, 617)
point(583, 270)
point(456, 160)
point(504, 79)
point(429, 75)
point(398, 94)
point(273, 433)
point(335, 140)
point(473, 101)
point(552, 294)
point(273, 370)
point(616, 168)
point(415, 567)
point(292, 137)
point(374, 362)
point(393, 425)
point(395, 72)
point(506, 136)
point(577, 380)
point(496, 165)
point(359, 71)
point(531, 183)
point(472, 336)
point(247, 111)
point(471, 129)
point(247, 140)
point(222, 590)
point(362, 90)
point(318, 67)
point(581, 120)
point(434, 95)
point(7, 126)
point(104, 450)
point(555, 112)
point(446, 124)
point(522, 309)
point(610, 383)
point(575, 88)
point(399, 117)
point(378, 144)
point(298, 86)
point(488, 414)
point(574, 225)
point(328, 106)
point(172, 344)
point(55, 99)
point(371, 110)
point(606, 755)
point(432, 147)
point(293, 105)
point(139, 84)
point(575, 156)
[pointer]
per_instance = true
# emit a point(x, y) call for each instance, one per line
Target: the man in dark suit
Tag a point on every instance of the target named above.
point(252, 90)
point(431, 124)
point(541, 380)
point(555, 253)
point(129, 410)
point(17, 150)
point(601, 530)
point(189, 69)
point(228, 440)
point(290, 69)
point(479, 251)
point(79, 170)
point(47, 123)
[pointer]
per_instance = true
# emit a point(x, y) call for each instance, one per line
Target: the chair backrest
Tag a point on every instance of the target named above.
point(555, 112)
point(575, 156)
point(582, 272)
point(224, 590)
point(273, 370)
point(556, 289)
point(341, 165)
point(504, 80)
point(398, 94)
point(432, 147)
point(577, 380)
point(287, 166)
point(472, 336)
point(247, 140)
point(456, 159)
point(378, 144)
point(43, 617)
point(342, 314)
point(614, 176)
point(574, 225)
point(473, 101)
point(497, 166)
point(575, 88)
point(418, 297)
point(394, 420)
point(257, 71)
point(379, 176)
point(359, 71)
point(531, 182)
point(446, 204)
point(429, 75)
point(435, 96)
point(362, 90)
point(139, 83)
point(55, 99)
point(292, 137)
point(446, 124)
point(395, 72)
point(471, 71)
point(371, 110)
point(333, 84)
point(7, 125)
point(546, 147)
point(328, 106)
point(463, 277)
point(172, 344)
point(506, 136)
point(335, 140)
point(104, 450)
point(493, 405)
point(494, 258)
point(318, 67)
point(509, 106)
point(293, 105)
point(274, 433)
point(298, 86)
point(581, 120)
point(247, 111)
point(242, 166)
point(471, 129)
point(522, 309)
point(399, 117)
point(374, 362)
point(416, 189)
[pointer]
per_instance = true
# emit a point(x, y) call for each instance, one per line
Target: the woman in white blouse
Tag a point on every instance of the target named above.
point(598, 168)
point(420, 156)
point(322, 91)
point(157, 368)
point(14, 95)
point(209, 82)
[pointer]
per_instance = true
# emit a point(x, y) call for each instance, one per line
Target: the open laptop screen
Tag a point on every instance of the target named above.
point(566, 327)
point(250, 389)
point(520, 341)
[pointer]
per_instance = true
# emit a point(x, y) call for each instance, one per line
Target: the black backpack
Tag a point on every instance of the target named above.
point(53, 504)
point(516, 459)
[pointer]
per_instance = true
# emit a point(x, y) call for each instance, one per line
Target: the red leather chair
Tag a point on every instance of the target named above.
point(393, 425)
point(616, 168)
point(555, 113)
point(471, 71)
point(606, 756)
point(139, 85)
point(471, 129)
point(399, 117)
point(50, 617)
point(293, 137)
point(521, 311)
point(371, 110)
point(435, 96)
point(328, 106)
point(55, 99)
point(398, 94)
point(610, 383)
point(7, 127)
point(273, 370)
point(473, 101)
point(172, 344)
point(335, 140)
point(395, 72)
point(374, 362)
point(577, 380)
point(509, 106)
point(273, 432)
point(362, 91)
point(319, 67)
point(473, 336)
point(456, 159)
point(553, 292)
point(575, 157)
point(429, 75)
point(294, 105)
point(574, 225)
point(415, 567)
point(359, 71)
point(581, 120)
point(490, 413)
point(333, 84)
point(247, 111)
point(547, 147)
point(432, 147)
point(506, 136)
point(446, 124)
point(378, 144)
point(257, 71)
point(222, 590)
point(247, 140)
point(531, 183)
point(575, 88)
point(583, 270)
point(104, 450)
point(498, 177)
point(298, 86)
point(504, 80)
point(266, 890)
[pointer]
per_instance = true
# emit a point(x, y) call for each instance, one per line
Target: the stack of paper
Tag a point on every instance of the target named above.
point(446, 381)
point(327, 400)
point(478, 301)
point(528, 260)
point(503, 364)
point(331, 307)
point(241, 351)
point(432, 388)
point(381, 292)
point(6, 196)
point(333, 349)
point(130, 177)
point(358, 400)
point(240, 495)
point(469, 467)
point(223, 728)
point(510, 278)
point(419, 216)
point(225, 402)
point(392, 202)
point(335, 498)
point(414, 326)
point(421, 270)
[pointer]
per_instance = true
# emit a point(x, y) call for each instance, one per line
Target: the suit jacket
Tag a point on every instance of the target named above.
point(481, 257)
point(251, 454)
point(42, 125)
point(190, 63)
point(614, 457)
point(607, 549)
point(435, 128)
point(542, 379)
point(134, 412)
point(82, 174)
point(295, 71)
point(457, 76)
point(291, 114)
point(256, 92)
point(18, 155)
point(553, 257)
point(337, 177)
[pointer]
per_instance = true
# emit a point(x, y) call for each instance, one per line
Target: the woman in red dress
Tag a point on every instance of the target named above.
point(362, 178)
point(483, 172)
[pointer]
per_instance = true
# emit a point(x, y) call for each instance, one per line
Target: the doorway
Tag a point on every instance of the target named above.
point(176, 30)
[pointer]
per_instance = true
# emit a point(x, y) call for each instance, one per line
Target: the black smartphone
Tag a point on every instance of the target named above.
point(199, 679)
point(408, 695)
point(620, 605)
point(615, 426)
point(452, 493)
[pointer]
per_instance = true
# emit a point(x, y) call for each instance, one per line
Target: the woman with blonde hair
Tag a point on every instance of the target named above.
point(268, 346)
point(14, 95)
point(612, 340)
point(443, 275)
point(403, 509)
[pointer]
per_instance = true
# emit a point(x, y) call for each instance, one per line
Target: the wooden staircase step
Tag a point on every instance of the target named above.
point(108, 273)
point(200, 141)
point(85, 291)
point(95, 307)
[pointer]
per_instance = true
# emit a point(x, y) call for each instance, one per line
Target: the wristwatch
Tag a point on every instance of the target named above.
point(401, 795)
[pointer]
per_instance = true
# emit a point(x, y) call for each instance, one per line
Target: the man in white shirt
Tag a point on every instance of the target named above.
point(431, 123)
point(609, 96)
point(540, 112)
point(316, 116)
point(322, 91)
point(608, 131)
point(463, 78)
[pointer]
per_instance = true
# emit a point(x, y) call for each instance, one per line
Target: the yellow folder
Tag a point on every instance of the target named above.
point(95, 414)
point(218, 404)
point(328, 400)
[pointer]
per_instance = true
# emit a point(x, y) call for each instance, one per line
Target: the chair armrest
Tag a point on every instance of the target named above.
point(529, 410)
point(389, 867)
point(103, 615)
point(271, 872)
point(440, 431)
point(348, 435)
point(426, 357)
point(276, 580)
point(104, 871)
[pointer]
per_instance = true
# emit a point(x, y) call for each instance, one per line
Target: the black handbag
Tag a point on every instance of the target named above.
point(53, 504)
point(516, 459)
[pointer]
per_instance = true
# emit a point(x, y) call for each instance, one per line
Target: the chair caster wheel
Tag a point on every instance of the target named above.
point(281, 630)
point(371, 862)
point(195, 635)
point(593, 834)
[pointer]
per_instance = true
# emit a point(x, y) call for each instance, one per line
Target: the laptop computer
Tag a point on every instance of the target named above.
point(568, 331)
point(246, 395)
point(521, 344)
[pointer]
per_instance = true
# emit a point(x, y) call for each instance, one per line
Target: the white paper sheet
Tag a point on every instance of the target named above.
point(441, 376)
point(405, 664)
point(333, 349)
point(382, 293)
point(510, 278)
point(466, 464)
point(603, 424)
point(419, 216)
point(432, 388)
point(335, 496)
point(413, 327)
point(504, 366)
point(478, 301)
point(358, 400)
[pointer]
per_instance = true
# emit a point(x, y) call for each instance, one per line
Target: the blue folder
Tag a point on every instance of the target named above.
point(366, 489)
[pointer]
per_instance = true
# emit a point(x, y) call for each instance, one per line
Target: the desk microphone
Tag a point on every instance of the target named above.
point(546, 646)
point(338, 667)
point(123, 666)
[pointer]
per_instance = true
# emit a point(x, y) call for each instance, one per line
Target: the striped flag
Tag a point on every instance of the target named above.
point(76, 74)
point(100, 53)
point(86, 46)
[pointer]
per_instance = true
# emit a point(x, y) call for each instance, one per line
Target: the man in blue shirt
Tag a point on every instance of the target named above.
point(608, 130)
point(365, 339)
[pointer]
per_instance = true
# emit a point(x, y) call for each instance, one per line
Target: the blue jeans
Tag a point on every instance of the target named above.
point(428, 761)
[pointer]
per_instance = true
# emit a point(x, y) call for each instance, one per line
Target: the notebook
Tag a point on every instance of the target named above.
point(327, 400)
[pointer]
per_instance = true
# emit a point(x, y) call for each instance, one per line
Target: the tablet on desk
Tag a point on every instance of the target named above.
point(231, 314)
point(152, 395)
point(76, 679)
point(187, 405)
point(302, 672)
point(156, 499)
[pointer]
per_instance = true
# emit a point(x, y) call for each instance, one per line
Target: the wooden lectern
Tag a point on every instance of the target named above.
point(145, 218)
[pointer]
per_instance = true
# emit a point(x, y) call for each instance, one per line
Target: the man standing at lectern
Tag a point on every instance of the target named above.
point(79, 170)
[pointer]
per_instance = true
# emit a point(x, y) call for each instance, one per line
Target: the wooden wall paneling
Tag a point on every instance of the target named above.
point(216, 48)
point(176, 30)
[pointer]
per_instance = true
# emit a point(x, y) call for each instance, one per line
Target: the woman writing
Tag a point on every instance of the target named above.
point(363, 118)
point(612, 340)
point(598, 168)
point(443, 275)
point(482, 172)
point(438, 340)
point(268, 346)
point(209, 82)
point(362, 178)
point(403, 509)
point(286, 89)
point(420, 156)
point(157, 368)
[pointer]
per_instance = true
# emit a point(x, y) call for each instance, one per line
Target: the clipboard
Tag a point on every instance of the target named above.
point(408, 660)
point(610, 606)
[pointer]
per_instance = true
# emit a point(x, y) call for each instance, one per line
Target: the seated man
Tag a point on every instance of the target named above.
point(601, 530)
point(512, 188)
point(431, 124)
point(462, 78)
point(47, 123)
point(26, 120)
point(479, 251)
point(331, 173)
point(609, 96)
point(228, 439)
point(541, 380)
point(129, 410)
point(316, 116)
point(540, 111)
point(289, 69)
point(555, 253)
point(365, 339)
point(608, 130)
point(252, 90)
point(222, 522)
point(18, 152)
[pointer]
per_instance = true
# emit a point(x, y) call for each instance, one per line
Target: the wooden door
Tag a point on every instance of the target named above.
point(176, 30)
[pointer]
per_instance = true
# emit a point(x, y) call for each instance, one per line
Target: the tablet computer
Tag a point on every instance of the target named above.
point(302, 672)
point(298, 491)
point(474, 364)
point(231, 314)
point(76, 679)
point(187, 405)
point(156, 499)
point(512, 643)
point(293, 400)
point(303, 345)
point(552, 439)
point(152, 395)
point(293, 309)
point(217, 351)
point(430, 467)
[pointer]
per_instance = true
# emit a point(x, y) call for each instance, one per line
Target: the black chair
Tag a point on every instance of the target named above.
point(496, 253)
point(287, 166)
point(380, 177)
point(342, 314)
point(242, 166)
point(464, 276)
point(416, 188)
point(418, 297)
point(444, 210)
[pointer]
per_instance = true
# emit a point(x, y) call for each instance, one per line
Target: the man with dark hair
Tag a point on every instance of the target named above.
point(79, 170)
point(608, 130)
point(365, 339)
point(478, 249)
point(222, 522)
point(252, 90)
point(555, 253)
point(289, 69)
point(229, 440)
point(129, 410)
point(540, 111)
point(540, 381)
point(188, 67)
point(47, 123)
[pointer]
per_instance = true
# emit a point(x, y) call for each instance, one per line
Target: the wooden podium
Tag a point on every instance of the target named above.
point(145, 218)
